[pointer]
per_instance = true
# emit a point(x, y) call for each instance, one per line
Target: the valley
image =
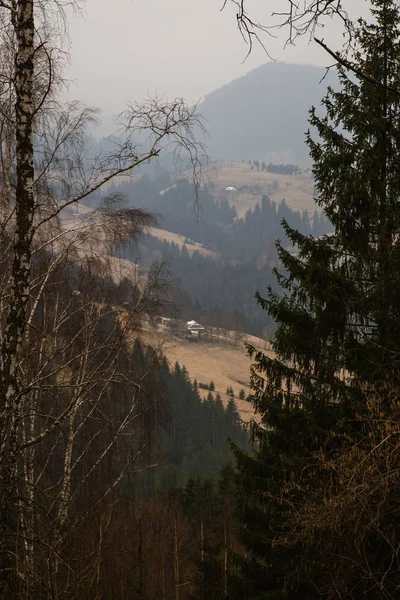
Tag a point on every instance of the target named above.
point(216, 263)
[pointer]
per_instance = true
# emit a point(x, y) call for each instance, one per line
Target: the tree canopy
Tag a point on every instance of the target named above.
point(337, 344)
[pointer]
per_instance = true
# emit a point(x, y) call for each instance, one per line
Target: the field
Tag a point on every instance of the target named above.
point(220, 362)
point(297, 190)
point(191, 246)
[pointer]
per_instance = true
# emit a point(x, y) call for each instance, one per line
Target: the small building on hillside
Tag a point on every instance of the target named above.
point(193, 329)
point(161, 320)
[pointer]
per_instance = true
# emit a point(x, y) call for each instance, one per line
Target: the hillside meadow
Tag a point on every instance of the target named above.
point(223, 361)
point(251, 185)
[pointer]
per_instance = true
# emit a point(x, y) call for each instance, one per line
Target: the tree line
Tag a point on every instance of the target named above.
point(218, 227)
point(282, 169)
point(194, 429)
point(220, 291)
point(211, 291)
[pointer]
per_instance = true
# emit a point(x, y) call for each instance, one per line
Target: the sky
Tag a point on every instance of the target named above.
point(128, 49)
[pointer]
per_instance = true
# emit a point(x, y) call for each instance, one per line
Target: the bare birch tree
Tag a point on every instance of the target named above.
point(69, 394)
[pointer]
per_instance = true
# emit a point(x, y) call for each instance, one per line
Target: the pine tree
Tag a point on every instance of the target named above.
point(229, 391)
point(338, 326)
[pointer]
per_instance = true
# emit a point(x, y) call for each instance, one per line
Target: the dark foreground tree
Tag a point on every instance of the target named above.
point(337, 351)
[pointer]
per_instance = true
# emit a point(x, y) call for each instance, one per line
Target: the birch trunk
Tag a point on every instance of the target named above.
point(23, 25)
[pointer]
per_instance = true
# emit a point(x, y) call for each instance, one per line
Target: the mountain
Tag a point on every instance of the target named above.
point(263, 115)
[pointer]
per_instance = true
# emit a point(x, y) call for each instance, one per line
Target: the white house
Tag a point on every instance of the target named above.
point(194, 329)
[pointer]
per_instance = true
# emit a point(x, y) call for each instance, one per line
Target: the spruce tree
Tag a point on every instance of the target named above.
point(338, 323)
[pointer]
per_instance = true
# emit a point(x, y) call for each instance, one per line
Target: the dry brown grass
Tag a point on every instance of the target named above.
point(168, 236)
point(220, 362)
point(295, 189)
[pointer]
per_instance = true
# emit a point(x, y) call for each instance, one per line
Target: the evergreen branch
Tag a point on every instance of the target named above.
point(350, 66)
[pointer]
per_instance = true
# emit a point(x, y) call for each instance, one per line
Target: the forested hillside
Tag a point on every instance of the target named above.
point(255, 117)
point(218, 288)
point(193, 436)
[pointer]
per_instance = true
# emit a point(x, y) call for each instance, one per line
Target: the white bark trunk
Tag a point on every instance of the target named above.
point(23, 24)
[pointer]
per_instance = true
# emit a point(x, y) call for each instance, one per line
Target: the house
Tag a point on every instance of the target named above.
point(161, 320)
point(194, 329)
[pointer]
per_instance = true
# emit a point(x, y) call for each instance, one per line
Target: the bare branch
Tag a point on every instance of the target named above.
point(351, 66)
point(298, 19)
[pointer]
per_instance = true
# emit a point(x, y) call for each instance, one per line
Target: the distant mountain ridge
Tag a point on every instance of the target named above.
point(263, 115)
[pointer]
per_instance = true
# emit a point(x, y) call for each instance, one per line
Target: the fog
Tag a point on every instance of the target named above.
point(130, 48)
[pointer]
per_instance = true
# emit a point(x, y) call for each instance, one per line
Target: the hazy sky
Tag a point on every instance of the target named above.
point(126, 49)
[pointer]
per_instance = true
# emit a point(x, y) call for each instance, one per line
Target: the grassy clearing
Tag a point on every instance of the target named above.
point(297, 190)
point(191, 246)
point(219, 361)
